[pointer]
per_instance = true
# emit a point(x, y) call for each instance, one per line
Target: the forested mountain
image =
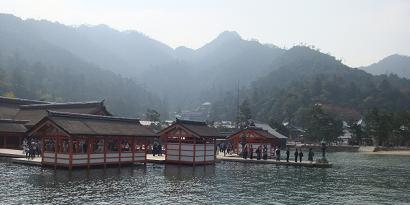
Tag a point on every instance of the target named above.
point(126, 53)
point(303, 77)
point(201, 75)
point(394, 64)
point(33, 67)
point(181, 77)
point(51, 61)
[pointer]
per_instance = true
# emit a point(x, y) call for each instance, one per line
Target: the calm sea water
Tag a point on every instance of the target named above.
point(355, 179)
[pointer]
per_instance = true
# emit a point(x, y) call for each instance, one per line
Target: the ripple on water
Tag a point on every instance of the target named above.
point(355, 179)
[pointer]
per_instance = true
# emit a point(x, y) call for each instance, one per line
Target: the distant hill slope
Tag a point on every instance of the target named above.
point(34, 66)
point(127, 53)
point(302, 77)
point(222, 63)
point(51, 61)
point(394, 64)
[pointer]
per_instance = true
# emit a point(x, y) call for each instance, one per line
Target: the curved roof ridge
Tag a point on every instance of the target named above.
point(190, 122)
point(57, 105)
point(22, 101)
point(51, 113)
point(14, 121)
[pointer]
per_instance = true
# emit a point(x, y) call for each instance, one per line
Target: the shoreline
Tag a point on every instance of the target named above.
point(392, 152)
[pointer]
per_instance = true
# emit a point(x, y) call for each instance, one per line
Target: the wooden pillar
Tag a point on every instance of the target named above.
point(70, 153)
point(145, 150)
point(204, 150)
point(133, 149)
point(119, 139)
point(215, 150)
point(194, 155)
point(166, 147)
point(42, 149)
point(56, 146)
point(88, 151)
point(179, 158)
point(105, 151)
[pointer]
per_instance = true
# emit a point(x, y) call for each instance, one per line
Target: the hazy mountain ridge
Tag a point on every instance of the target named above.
point(393, 64)
point(302, 77)
point(279, 82)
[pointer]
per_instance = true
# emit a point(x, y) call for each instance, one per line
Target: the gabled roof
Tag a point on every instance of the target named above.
point(12, 126)
point(34, 113)
point(199, 128)
point(85, 124)
point(263, 130)
point(10, 106)
point(20, 101)
point(270, 130)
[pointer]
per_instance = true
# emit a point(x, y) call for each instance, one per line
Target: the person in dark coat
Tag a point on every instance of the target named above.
point(159, 150)
point(265, 152)
point(296, 155)
point(300, 155)
point(258, 153)
point(245, 152)
point(287, 154)
point(310, 155)
point(251, 152)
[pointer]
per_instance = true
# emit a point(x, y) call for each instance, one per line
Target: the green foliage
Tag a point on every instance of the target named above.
point(244, 115)
point(152, 115)
point(77, 81)
point(279, 127)
point(321, 125)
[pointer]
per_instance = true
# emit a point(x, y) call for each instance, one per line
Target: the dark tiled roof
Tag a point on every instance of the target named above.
point(12, 126)
point(20, 101)
point(34, 113)
point(10, 106)
point(69, 105)
point(197, 127)
point(84, 124)
point(262, 132)
point(270, 130)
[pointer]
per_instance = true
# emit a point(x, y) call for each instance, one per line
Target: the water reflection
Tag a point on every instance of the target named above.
point(182, 172)
point(355, 178)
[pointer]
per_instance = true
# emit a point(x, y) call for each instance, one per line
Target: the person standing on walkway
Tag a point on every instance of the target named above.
point(245, 152)
point(250, 151)
point(300, 155)
point(310, 155)
point(265, 152)
point(287, 154)
point(296, 155)
point(258, 152)
point(277, 154)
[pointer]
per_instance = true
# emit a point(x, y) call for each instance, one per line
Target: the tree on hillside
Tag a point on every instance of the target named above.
point(321, 125)
point(279, 127)
point(244, 115)
point(358, 134)
point(379, 126)
point(152, 115)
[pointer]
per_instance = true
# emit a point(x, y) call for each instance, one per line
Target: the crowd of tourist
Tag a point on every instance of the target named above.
point(31, 148)
point(226, 148)
point(157, 150)
point(262, 153)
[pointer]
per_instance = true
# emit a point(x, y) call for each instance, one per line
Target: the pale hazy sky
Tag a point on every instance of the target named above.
point(357, 31)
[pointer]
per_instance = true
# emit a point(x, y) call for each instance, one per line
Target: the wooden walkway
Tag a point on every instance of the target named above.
point(156, 159)
point(18, 157)
point(35, 162)
point(11, 153)
point(235, 158)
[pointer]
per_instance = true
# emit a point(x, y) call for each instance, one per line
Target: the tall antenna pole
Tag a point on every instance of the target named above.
point(237, 103)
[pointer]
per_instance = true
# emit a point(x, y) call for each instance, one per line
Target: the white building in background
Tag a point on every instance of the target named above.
point(347, 135)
